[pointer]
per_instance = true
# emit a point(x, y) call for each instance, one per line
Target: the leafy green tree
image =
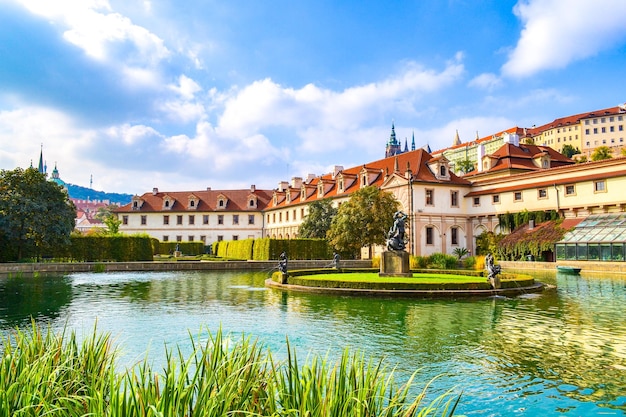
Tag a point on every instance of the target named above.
point(569, 150)
point(602, 152)
point(109, 218)
point(465, 166)
point(317, 222)
point(36, 215)
point(363, 220)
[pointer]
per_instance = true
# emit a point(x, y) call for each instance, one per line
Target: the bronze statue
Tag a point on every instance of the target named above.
point(395, 237)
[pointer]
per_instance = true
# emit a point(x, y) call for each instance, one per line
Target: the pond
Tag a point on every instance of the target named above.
point(557, 353)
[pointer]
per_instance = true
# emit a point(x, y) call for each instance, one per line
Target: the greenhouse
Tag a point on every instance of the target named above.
point(600, 237)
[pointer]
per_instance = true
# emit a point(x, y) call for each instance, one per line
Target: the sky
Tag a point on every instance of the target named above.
point(127, 95)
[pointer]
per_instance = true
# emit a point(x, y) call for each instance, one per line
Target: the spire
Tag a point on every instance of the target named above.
point(406, 145)
point(392, 137)
point(396, 165)
point(413, 142)
point(457, 140)
point(41, 167)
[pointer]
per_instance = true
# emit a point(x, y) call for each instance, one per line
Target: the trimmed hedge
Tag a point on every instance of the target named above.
point(187, 248)
point(266, 249)
point(110, 248)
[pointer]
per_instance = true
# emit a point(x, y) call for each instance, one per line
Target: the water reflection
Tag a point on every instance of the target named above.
point(558, 352)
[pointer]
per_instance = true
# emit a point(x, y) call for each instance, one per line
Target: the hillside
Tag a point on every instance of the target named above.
point(83, 193)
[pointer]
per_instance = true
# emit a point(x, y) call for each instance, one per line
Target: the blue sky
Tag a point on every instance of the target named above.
point(224, 94)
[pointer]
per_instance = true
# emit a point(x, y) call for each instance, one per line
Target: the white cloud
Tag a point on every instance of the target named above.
point(486, 81)
point(558, 32)
point(100, 32)
point(131, 135)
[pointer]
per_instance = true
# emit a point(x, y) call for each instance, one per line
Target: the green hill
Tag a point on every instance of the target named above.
point(83, 193)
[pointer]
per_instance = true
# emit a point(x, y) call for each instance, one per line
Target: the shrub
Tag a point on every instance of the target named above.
point(442, 261)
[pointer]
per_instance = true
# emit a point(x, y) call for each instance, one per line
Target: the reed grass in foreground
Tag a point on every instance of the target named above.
point(48, 374)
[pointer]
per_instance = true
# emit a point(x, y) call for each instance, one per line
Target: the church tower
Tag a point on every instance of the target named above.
point(393, 145)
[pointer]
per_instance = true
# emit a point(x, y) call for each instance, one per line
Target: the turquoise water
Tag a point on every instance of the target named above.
point(553, 354)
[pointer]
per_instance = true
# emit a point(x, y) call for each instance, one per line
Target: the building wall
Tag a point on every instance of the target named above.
point(603, 130)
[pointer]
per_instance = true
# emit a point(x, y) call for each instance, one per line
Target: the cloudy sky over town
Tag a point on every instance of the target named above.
point(184, 95)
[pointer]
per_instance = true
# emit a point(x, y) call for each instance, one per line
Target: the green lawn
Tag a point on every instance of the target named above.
point(430, 278)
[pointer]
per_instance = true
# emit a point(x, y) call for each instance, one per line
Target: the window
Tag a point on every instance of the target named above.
point(586, 122)
point(570, 190)
point(166, 238)
point(203, 238)
point(495, 199)
point(620, 127)
point(604, 130)
point(542, 193)
point(251, 202)
point(190, 238)
point(429, 235)
point(430, 197)
point(612, 128)
point(192, 203)
point(220, 238)
point(454, 235)
point(179, 238)
point(599, 186)
point(476, 201)
point(454, 198)
point(166, 220)
point(595, 130)
point(205, 219)
point(235, 237)
point(595, 121)
point(192, 219)
point(220, 219)
point(280, 217)
point(586, 131)
point(603, 120)
point(144, 220)
point(179, 219)
point(517, 196)
point(235, 219)
point(442, 171)
point(273, 217)
point(287, 216)
point(250, 218)
point(221, 203)
point(124, 219)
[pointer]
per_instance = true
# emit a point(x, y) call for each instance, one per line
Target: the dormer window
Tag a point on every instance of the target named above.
point(442, 170)
point(192, 202)
point(252, 201)
point(168, 202)
point(303, 193)
point(137, 203)
point(364, 180)
point(222, 202)
point(341, 185)
point(320, 189)
point(288, 196)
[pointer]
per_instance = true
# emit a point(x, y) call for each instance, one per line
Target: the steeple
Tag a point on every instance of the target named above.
point(457, 140)
point(413, 142)
point(393, 146)
point(406, 145)
point(41, 168)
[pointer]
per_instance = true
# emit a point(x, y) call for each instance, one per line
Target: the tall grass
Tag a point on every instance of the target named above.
point(47, 374)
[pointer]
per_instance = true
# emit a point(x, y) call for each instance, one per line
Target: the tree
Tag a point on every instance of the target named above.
point(317, 222)
point(569, 150)
point(36, 215)
point(465, 166)
point(602, 152)
point(109, 218)
point(363, 220)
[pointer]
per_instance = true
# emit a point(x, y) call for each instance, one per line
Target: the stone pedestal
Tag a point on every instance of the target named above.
point(177, 254)
point(395, 264)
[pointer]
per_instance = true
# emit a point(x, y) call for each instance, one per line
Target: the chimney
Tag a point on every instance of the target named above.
point(252, 188)
point(296, 182)
point(309, 178)
point(155, 191)
point(283, 185)
point(208, 188)
point(336, 170)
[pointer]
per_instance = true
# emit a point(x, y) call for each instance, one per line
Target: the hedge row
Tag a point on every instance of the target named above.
point(268, 249)
point(110, 248)
point(187, 248)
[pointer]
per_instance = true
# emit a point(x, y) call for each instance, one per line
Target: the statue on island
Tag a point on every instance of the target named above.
point(395, 237)
point(282, 263)
point(492, 271)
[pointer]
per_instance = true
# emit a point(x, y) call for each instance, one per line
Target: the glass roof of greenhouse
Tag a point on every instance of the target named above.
point(599, 228)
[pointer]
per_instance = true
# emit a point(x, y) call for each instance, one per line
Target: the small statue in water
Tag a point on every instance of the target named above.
point(395, 237)
point(492, 271)
point(336, 260)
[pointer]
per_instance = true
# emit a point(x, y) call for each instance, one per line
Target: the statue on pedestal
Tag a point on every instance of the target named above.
point(492, 271)
point(395, 237)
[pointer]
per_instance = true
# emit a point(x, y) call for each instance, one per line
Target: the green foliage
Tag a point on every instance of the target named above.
point(118, 248)
point(510, 221)
point(187, 248)
point(487, 242)
point(602, 152)
point(265, 249)
point(317, 222)
point(465, 166)
point(523, 242)
point(46, 374)
point(460, 252)
point(36, 215)
point(469, 262)
point(442, 261)
point(363, 220)
point(569, 150)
